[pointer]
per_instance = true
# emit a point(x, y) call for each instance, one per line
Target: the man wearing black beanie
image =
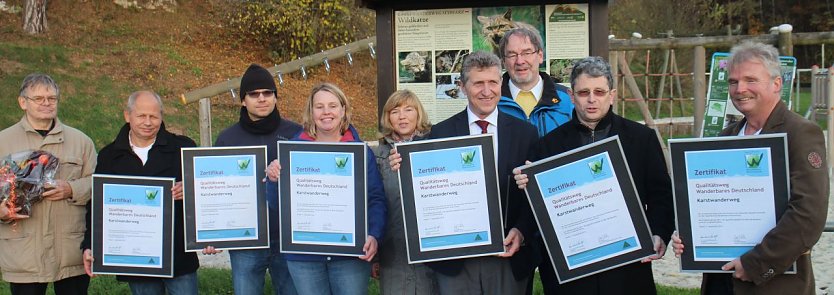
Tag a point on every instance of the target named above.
point(260, 124)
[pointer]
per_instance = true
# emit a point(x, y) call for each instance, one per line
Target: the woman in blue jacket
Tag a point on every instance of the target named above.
point(326, 118)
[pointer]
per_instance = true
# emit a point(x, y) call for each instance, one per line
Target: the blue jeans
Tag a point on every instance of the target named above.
point(249, 268)
point(339, 277)
point(179, 285)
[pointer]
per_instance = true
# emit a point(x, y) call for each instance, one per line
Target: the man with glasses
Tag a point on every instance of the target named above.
point(593, 94)
point(43, 247)
point(526, 93)
point(260, 124)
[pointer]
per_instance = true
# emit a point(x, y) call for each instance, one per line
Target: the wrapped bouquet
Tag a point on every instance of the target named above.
point(23, 178)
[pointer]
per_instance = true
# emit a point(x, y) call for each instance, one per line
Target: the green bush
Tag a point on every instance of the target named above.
point(297, 28)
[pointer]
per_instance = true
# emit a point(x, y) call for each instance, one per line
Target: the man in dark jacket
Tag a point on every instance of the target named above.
point(144, 148)
point(509, 272)
point(260, 124)
point(593, 94)
point(755, 87)
point(526, 93)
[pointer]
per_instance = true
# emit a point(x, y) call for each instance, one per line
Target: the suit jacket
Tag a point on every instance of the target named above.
point(651, 179)
point(515, 138)
point(801, 225)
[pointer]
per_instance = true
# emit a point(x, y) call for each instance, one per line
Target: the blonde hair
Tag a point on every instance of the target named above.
point(307, 118)
point(404, 98)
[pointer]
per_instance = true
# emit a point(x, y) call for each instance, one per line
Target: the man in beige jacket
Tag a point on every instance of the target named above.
point(44, 247)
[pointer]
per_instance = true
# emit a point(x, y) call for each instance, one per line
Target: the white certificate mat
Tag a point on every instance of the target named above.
point(132, 225)
point(225, 197)
point(450, 198)
point(323, 197)
point(729, 193)
point(588, 210)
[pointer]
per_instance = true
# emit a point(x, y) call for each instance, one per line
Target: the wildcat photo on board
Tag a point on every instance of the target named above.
point(415, 66)
point(489, 24)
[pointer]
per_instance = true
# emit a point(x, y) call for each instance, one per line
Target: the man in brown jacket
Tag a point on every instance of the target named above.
point(43, 247)
point(755, 84)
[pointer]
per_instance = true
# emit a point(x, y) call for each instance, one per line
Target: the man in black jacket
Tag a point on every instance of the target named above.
point(593, 94)
point(144, 148)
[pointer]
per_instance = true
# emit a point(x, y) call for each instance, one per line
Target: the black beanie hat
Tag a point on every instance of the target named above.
point(256, 77)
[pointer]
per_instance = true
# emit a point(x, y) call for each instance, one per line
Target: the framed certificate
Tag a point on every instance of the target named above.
point(225, 198)
point(729, 193)
point(588, 210)
point(323, 198)
point(132, 226)
point(450, 198)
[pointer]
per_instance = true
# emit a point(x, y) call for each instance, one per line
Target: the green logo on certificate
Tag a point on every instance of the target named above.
point(595, 166)
point(467, 158)
point(151, 194)
point(753, 160)
point(243, 164)
point(341, 162)
point(626, 245)
point(247, 233)
point(478, 238)
point(151, 261)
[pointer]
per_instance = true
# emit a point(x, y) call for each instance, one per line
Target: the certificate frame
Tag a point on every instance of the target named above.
point(493, 202)
point(256, 153)
point(121, 264)
point(778, 145)
point(356, 150)
point(556, 253)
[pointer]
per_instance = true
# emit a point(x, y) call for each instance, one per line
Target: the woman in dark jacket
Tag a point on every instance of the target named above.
point(403, 119)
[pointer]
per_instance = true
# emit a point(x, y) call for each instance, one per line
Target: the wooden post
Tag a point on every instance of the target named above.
point(829, 95)
point(700, 88)
point(663, 71)
point(205, 122)
point(810, 113)
point(614, 60)
point(785, 41)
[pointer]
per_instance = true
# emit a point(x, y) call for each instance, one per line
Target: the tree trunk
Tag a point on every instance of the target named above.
point(34, 18)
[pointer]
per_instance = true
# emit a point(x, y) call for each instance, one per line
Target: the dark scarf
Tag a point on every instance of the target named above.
point(263, 126)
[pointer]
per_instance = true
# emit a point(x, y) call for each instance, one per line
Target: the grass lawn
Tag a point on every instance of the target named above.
point(215, 281)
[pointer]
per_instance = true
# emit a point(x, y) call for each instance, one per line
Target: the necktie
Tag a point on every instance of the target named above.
point(483, 124)
point(526, 100)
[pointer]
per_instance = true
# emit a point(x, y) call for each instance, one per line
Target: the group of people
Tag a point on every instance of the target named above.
point(531, 117)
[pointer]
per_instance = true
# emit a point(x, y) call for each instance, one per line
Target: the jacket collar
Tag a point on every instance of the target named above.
point(773, 123)
point(59, 127)
point(123, 142)
point(549, 94)
point(603, 123)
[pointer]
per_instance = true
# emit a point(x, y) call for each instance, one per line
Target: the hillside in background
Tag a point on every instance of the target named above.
point(100, 52)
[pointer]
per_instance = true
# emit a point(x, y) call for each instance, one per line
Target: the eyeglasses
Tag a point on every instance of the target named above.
point(257, 94)
point(525, 54)
point(43, 100)
point(587, 92)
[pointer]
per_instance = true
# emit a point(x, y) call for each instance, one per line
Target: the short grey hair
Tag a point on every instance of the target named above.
point(131, 100)
point(38, 79)
point(755, 51)
point(478, 60)
point(531, 35)
point(593, 66)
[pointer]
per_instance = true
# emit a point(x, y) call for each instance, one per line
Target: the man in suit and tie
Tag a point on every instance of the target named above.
point(509, 272)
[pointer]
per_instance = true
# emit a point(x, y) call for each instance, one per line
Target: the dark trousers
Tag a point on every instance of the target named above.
point(76, 285)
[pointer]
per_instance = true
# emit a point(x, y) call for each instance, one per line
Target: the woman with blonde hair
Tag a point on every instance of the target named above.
point(403, 119)
point(326, 118)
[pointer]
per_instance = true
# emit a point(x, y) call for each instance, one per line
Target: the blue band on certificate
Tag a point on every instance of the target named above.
point(466, 159)
point(328, 238)
point(721, 251)
point(133, 261)
point(226, 233)
point(321, 163)
point(445, 242)
point(582, 258)
point(728, 163)
point(221, 166)
point(133, 195)
point(580, 173)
